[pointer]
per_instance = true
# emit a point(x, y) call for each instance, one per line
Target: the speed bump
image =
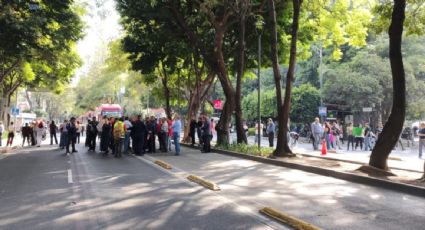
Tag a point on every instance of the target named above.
point(163, 164)
point(203, 182)
point(287, 219)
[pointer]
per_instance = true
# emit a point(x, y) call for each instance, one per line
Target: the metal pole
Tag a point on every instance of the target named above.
point(321, 78)
point(259, 93)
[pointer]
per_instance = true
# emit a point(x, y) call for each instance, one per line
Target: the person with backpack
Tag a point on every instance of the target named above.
point(119, 135)
point(72, 135)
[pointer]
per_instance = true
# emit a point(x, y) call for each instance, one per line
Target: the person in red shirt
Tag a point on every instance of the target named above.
point(170, 133)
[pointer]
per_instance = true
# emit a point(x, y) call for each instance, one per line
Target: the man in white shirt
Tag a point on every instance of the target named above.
point(11, 134)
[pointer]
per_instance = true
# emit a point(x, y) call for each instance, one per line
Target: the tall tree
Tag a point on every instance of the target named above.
point(284, 106)
point(393, 127)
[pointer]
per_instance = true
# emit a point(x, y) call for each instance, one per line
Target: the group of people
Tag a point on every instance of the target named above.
point(204, 129)
point(333, 134)
point(32, 133)
point(124, 134)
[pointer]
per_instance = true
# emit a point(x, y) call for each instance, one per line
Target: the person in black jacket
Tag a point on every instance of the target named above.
point(72, 135)
point(105, 136)
point(26, 134)
point(206, 135)
point(138, 133)
point(53, 129)
point(199, 130)
point(192, 130)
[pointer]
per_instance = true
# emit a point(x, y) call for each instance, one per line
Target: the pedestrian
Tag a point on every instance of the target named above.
point(26, 134)
point(138, 133)
point(271, 129)
point(177, 128)
point(53, 128)
point(151, 127)
point(205, 133)
point(336, 132)
point(359, 136)
point(79, 126)
point(199, 130)
point(327, 136)
point(32, 133)
point(350, 136)
point(40, 131)
point(63, 142)
point(367, 132)
point(11, 134)
point(105, 136)
point(170, 133)
point(128, 127)
point(92, 132)
point(1, 132)
point(192, 131)
point(72, 135)
point(83, 129)
point(119, 136)
point(164, 135)
point(257, 137)
point(212, 128)
point(317, 131)
point(421, 134)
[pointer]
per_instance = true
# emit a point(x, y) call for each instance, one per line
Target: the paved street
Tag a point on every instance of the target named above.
point(41, 188)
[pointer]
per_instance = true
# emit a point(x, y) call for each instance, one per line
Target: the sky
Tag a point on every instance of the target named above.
point(102, 26)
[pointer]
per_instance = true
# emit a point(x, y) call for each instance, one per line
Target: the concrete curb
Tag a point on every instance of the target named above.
point(163, 164)
point(353, 162)
point(376, 182)
point(203, 182)
point(288, 219)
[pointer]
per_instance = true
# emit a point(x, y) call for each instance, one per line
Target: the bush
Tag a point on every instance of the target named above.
point(248, 149)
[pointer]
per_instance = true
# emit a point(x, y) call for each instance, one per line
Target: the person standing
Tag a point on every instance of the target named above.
point(105, 136)
point(177, 127)
point(92, 134)
point(164, 135)
point(317, 132)
point(256, 131)
point(72, 135)
point(63, 142)
point(138, 134)
point(192, 131)
point(350, 136)
point(327, 135)
point(119, 135)
point(170, 133)
point(1, 132)
point(359, 136)
point(271, 129)
point(11, 134)
point(128, 127)
point(40, 130)
point(367, 137)
point(78, 125)
point(26, 134)
point(206, 134)
point(199, 130)
point(421, 134)
point(53, 128)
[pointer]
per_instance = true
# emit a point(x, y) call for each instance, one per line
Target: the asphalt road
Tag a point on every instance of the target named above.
point(41, 188)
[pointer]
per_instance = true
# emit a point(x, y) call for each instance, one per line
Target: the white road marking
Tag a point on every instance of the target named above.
point(70, 176)
point(181, 175)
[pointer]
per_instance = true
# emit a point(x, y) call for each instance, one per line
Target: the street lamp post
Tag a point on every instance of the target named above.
point(259, 27)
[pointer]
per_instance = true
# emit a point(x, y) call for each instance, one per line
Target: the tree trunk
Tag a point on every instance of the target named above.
point(394, 125)
point(280, 146)
point(240, 132)
point(166, 93)
point(283, 141)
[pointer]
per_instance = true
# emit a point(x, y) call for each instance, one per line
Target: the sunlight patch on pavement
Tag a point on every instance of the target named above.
point(232, 163)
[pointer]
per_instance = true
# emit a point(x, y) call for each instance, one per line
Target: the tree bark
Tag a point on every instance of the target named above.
point(394, 125)
point(282, 148)
point(240, 132)
point(164, 81)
